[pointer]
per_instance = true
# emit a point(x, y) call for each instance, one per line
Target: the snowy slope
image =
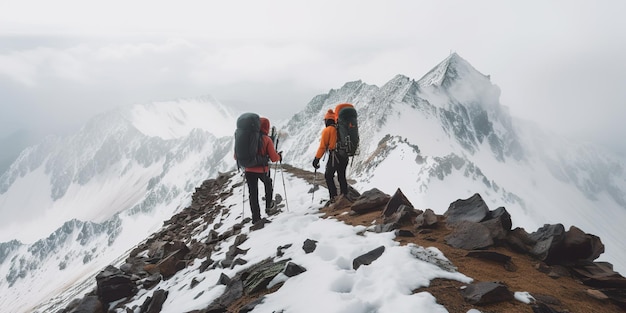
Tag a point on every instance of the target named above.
point(451, 135)
point(79, 202)
point(330, 282)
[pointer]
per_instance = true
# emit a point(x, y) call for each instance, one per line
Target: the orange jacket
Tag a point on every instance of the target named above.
point(328, 141)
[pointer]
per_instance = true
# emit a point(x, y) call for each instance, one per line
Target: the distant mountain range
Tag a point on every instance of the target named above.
point(80, 202)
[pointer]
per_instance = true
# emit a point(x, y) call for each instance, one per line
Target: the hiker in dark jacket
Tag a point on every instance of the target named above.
point(256, 173)
point(336, 162)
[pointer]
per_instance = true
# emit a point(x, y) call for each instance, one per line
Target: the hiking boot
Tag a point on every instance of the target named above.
point(341, 202)
point(258, 225)
point(331, 201)
point(271, 210)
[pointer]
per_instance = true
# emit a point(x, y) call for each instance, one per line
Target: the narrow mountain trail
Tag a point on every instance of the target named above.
point(193, 235)
point(565, 294)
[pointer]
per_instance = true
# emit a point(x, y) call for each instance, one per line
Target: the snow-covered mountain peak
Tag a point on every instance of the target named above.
point(451, 68)
point(177, 118)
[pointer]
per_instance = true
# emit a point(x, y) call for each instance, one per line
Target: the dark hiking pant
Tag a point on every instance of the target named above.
point(253, 185)
point(339, 164)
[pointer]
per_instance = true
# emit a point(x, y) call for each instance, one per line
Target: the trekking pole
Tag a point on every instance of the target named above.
point(243, 198)
point(284, 188)
point(314, 185)
point(277, 136)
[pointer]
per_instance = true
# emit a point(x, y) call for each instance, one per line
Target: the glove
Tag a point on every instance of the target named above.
point(280, 154)
point(316, 163)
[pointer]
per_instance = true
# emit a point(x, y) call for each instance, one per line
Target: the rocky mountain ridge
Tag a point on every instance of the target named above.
point(468, 233)
point(446, 133)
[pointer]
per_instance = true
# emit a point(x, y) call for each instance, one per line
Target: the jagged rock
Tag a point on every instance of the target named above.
point(519, 240)
point(212, 237)
point(233, 292)
point(89, 304)
point(113, 284)
point(250, 306)
point(579, 246)
point(398, 199)
point(499, 223)
point(426, 220)
point(241, 238)
point(154, 304)
point(194, 283)
point(368, 258)
point(151, 280)
point(472, 209)
point(224, 280)
point(260, 275)
point(309, 245)
point(234, 251)
point(599, 275)
point(280, 250)
point(404, 215)
point(205, 264)
point(371, 200)
point(383, 228)
point(556, 246)
point(547, 237)
point(293, 269)
point(238, 261)
point(469, 236)
point(482, 293)
point(173, 263)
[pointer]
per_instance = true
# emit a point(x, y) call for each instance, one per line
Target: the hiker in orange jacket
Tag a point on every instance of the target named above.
point(256, 173)
point(336, 162)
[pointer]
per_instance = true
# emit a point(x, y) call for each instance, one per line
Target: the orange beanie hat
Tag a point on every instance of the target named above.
point(330, 115)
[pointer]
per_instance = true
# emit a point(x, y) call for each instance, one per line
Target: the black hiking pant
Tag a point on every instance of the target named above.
point(252, 179)
point(336, 163)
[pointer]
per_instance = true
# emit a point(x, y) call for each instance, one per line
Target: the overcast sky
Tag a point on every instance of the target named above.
point(560, 63)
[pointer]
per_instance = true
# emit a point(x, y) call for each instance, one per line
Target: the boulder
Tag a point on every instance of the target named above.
point(309, 245)
point(293, 269)
point(547, 238)
point(154, 304)
point(404, 215)
point(499, 223)
point(398, 199)
point(469, 236)
point(368, 258)
point(369, 201)
point(483, 293)
point(112, 284)
point(472, 209)
point(89, 304)
point(427, 219)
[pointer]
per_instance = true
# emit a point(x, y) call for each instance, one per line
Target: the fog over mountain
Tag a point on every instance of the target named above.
point(77, 203)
